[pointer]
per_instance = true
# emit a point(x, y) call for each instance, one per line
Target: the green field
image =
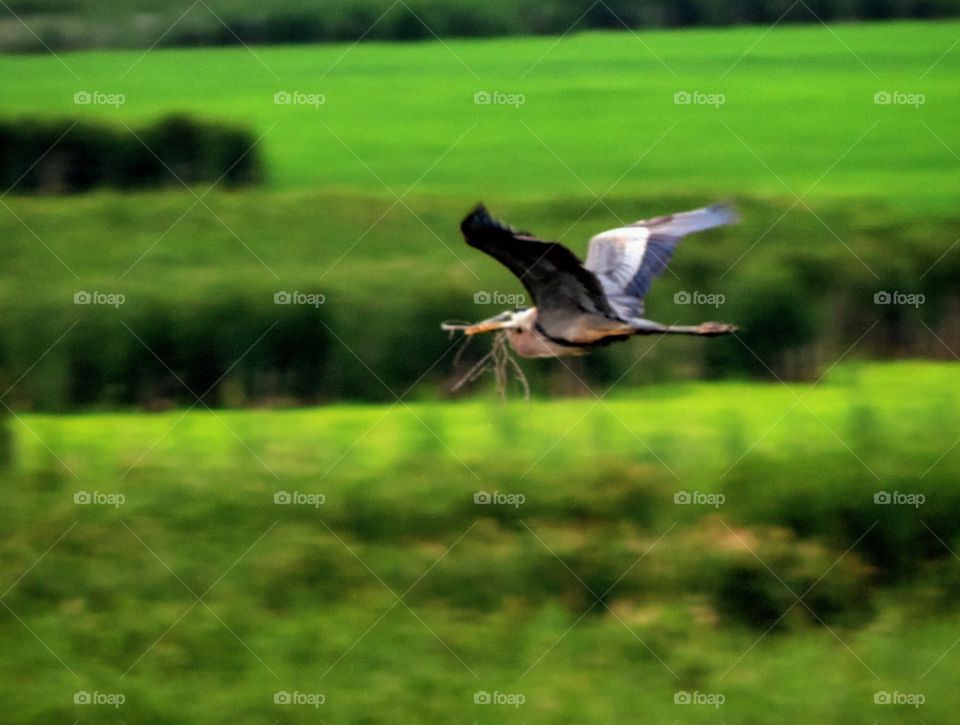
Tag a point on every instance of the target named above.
point(499, 595)
point(598, 101)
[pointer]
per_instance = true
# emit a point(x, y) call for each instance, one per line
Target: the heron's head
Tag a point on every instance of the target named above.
point(514, 321)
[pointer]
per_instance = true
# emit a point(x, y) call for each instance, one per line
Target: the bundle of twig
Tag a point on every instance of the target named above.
point(499, 360)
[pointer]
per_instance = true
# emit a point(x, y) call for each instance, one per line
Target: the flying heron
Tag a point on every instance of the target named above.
point(582, 306)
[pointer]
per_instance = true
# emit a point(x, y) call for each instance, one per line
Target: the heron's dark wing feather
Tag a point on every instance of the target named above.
point(628, 259)
point(551, 273)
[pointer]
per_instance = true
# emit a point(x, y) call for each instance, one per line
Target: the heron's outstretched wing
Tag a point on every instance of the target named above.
point(628, 259)
point(557, 282)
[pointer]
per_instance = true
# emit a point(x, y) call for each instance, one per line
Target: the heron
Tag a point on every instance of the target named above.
point(580, 306)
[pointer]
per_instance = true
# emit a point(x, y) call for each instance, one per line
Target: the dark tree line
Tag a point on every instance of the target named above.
point(63, 25)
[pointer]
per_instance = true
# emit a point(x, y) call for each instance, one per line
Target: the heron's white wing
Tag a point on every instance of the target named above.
point(615, 256)
point(627, 260)
point(688, 222)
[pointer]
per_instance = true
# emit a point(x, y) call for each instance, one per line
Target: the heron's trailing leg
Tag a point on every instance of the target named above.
point(705, 329)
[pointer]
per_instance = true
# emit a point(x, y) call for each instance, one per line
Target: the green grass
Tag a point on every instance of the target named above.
point(498, 608)
point(598, 101)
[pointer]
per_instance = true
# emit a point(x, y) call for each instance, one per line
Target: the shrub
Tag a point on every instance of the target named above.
point(76, 157)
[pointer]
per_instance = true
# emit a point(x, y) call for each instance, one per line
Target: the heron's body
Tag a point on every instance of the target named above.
point(582, 306)
point(580, 334)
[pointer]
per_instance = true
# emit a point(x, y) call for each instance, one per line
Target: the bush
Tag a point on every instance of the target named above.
point(744, 590)
point(777, 321)
point(76, 157)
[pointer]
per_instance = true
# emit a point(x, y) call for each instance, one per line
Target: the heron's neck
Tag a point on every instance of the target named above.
point(527, 317)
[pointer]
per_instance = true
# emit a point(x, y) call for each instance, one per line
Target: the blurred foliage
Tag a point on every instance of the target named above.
point(597, 580)
point(56, 157)
point(200, 283)
point(6, 439)
point(140, 23)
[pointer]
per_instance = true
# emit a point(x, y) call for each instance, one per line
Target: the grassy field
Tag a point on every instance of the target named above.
point(496, 597)
point(595, 108)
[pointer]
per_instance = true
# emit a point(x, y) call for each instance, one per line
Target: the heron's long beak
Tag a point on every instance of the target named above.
point(490, 325)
